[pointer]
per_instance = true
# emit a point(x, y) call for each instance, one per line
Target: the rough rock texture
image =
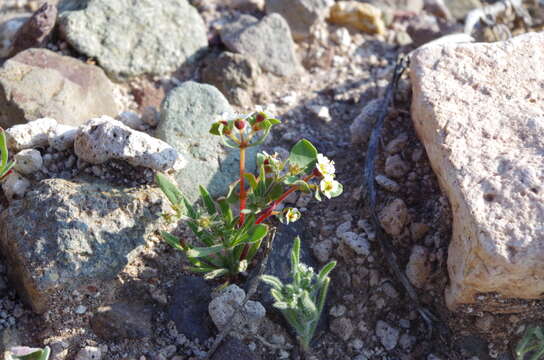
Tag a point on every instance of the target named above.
point(131, 38)
point(104, 138)
point(35, 32)
point(123, 320)
point(15, 185)
point(187, 114)
point(269, 41)
point(28, 161)
point(83, 233)
point(362, 125)
point(233, 74)
point(301, 15)
point(222, 307)
point(8, 29)
point(39, 83)
point(460, 8)
point(478, 109)
point(418, 268)
point(393, 217)
point(29, 135)
point(362, 16)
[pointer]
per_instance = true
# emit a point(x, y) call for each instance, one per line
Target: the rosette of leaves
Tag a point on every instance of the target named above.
point(5, 164)
point(531, 345)
point(302, 301)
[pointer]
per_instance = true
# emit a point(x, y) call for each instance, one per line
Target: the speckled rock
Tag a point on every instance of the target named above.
point(394, 217)
point(388, 335)
point(33, 134)
point(62, 137)
point(418, 268)
point(133, 38)
point(478, 109)
point(38, 83)
point(186, 116)
point(84, 233)
point(15, 185)
point(269, 41)
point(301, 15)
point(28, 161)
point(104, 138)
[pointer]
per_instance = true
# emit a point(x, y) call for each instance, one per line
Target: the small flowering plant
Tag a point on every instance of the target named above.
point(230, 229)
point(302, 301)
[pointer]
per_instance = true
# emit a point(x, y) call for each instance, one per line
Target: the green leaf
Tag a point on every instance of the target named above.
point(295, 255)
point(275, 192)
point(253, 249)
point(5, 170)
point(303, 155)
point(3, 147)
point(252, 180)
point(169, 189)
point(199, 252)
point(215, 128)
point(172, 240)
point(257, 232)
point(207, 200)
point(325, 271)
point(272, 281)
point(226, 211)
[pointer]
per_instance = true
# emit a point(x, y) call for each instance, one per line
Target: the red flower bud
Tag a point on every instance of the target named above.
point(240, 124)
point(260, 117)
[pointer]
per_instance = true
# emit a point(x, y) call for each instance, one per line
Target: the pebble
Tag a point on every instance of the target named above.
point(388, 335)
point(28, 161)
point(394, 217)
point(62, 137)
point(418, 268)
point(357, 243)
point(419, 230)
point(342, 228)
point(15, 185)
point(132, 120)
point(81, 310)
point(397, 144)
point(396, 167)
point(338, 310)
point(387, 184)
point(322, 250)
point(30, 135)
point(362, 16)
point(89, 353)
point(342, 327)
point(322, 112)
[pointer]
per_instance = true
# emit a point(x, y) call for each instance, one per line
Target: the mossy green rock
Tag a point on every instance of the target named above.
point(186, 116)
point(67, 234)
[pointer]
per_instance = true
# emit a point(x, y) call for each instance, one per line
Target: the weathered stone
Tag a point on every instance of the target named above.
point(89, 353)
point(222, 307)
point(62, 137)
point(36, 30)
point(189, 307)
point(364, 17)
point(104, 138)
point(233, 74)
point(460, 8)
point(134, 38)
point(388, 335)
point(361, 128)
point(478, 110)
point(342, 327)
point(393, 217)
point(8, 29)
point(39, 83)
point(83, 233)
point(28, 161)
point(30, 135)
point(418, 268)
point(413, 6)
point(386, 183)
point(357, 243)
point(123, 320)
point(187, 114)
point(15, 185)
point(269, 41)
point(301, 15)
point(395, 166)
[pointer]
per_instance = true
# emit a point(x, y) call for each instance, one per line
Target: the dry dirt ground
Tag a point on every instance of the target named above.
point(363, 289)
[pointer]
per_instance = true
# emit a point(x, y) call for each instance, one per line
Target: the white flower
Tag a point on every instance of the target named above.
point(292, 215)
point(324, 165)
point(330, 187)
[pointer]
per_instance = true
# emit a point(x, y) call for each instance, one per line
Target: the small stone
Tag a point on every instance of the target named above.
point(396, 167)
point(361, 128)
point(222, 307)
point(322, 250)
point(418, 268)
point(150, 116)
point(387, 184)
point(341, 37)
point(28, 161)
point(15, 185)
point(122, 320)
point(132, 120)
point(357, 344)
point(301, 15)
point(322, 112)
point(407, 341)
point(35, 31)
point(342, 228)
point(269, 41)
point(30, 135)
point(81, 310)
point(388, 335)
point(419, 230)
point(362, 16)
point(89, 353)
point(338, 310)
point(485, 323)
point(397, 144)
point(104, 138)
point(342, 327)
point(394, 217)
point(168, 351)
point(357, 243)
point(62, 137)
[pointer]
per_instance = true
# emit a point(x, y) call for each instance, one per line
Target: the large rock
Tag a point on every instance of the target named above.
point(83, 234)
point(36, 31)
point(479, 111)
point(131, 38)
point(187, 114)
point(269, 41)
point(39, 83)
point(301, 15)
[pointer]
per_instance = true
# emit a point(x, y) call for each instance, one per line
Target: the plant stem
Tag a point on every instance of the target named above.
point(243, 194)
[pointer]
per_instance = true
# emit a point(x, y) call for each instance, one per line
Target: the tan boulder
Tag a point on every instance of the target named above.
point(479, 111)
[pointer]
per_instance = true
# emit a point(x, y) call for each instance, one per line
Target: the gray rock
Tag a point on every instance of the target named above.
point(233, 74)
point(89, 353)
point(84, 233)
point(396, 167)
point(361, 128)
point(460, 8)
point(269, 41)
point(301, 15)
point(35, 32)
point(233, 348)
point(133, 38)
point(186, 116)
point(8, 29)
point(222, 307)
point(15, 185)
point(62, 137)
point(189, 307)
point(122, 320)
point(28, 161)
point(357, 243)
point(386, 183)
point(388, 335)
point(53, 85)
point(104, 138)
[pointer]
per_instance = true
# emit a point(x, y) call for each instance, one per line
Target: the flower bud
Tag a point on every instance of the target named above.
point(240, 124)
point(260, 117)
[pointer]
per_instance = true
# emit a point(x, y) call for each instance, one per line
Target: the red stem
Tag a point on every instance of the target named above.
point(243, 194)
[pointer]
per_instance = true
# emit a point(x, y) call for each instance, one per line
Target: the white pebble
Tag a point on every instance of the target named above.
point(322, 112)
point(80, 310)
point(28, 161)
point(30, 135)
point(357, 243)
point(132, 120)
point(89, 353)
point(62, 137)
point(15, 185)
